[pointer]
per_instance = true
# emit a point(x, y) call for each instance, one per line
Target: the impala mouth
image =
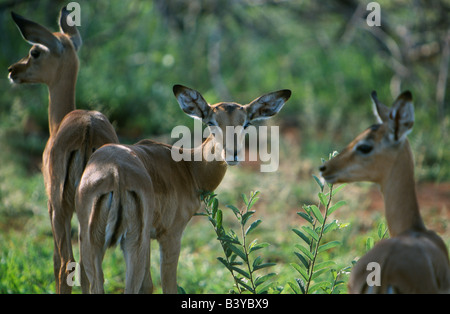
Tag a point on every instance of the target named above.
point(329, 178)
point(13, 79)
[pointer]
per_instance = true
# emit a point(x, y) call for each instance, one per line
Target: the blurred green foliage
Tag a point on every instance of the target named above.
point(134, 52)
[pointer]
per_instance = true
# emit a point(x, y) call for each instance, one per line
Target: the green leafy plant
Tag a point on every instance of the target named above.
point(382, 231)
point(239, 253)
point(311, 267)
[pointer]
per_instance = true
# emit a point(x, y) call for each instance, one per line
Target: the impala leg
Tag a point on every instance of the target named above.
point(147, 283)
point(84, 281)
point(56, 255)
point(137, 259)
point(61, 224)
point(63, 254)
point(91, 267)
point(170, 252)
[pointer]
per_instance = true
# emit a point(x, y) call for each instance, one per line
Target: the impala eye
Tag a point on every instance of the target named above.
point(364, 148)
point(35, 53)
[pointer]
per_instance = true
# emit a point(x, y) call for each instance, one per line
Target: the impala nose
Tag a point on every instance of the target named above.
point(322, 168)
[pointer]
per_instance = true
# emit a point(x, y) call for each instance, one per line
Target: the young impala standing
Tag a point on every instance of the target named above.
point(74, 134)
point(414, 259)
point(131, 193)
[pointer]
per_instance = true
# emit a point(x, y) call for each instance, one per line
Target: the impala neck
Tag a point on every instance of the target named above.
point(207, 174)
point(61, 97)
point(402, 209)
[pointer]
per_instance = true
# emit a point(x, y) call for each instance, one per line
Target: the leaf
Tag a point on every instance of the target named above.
point(238, 252)
point(323, 198)
point(257, 261)
point(246, 217)
point(265, 265)
point(247, 287)
point(307, 209)
point(302, 236)
point(244, 197)
point(317, 213)
point(180, 290)
point(210, 200)
point(302, 259)
point(330, 226)
point(263, 288)
point(234, 209)
point(253, 226)
point(223, 261)
point(257, 246)
point(215, 206)
point(328, 246)
point(253, 200)
point(212, 221)
point(344, 225)
point(381, 230)
point(318, 273)
point(301, 271)
point(305, 216)
point(337, 189)
point(324, 264)
point(236, 263)
point(240, 271)
point(335, 206)
point(295, 286)
point(317, 286)
point(228, 239)
point(305, 251)
point(369, 244)
point(219, 219)
point(319, 182)
point(234, 236)
point(262, 279)
point(311, 232)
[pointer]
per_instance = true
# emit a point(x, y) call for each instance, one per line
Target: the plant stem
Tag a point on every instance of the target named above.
point(316, 250)
point(250, 271)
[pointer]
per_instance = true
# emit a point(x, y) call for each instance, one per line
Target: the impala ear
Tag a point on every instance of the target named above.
point(71, 31)
point(191, 102)
point(267, 105)
point(35, 33)
point(380, 111)
point(401, 117)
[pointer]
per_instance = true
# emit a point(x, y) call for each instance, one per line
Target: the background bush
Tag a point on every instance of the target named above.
point(134, 52)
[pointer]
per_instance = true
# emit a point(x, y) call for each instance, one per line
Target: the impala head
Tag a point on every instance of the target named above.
point(374, 151)
point(51, 53)
point(228, 120)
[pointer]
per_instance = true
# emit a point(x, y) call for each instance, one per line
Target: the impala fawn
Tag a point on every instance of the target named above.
point(74, 134)
point(131, 193)
point(414, 259)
